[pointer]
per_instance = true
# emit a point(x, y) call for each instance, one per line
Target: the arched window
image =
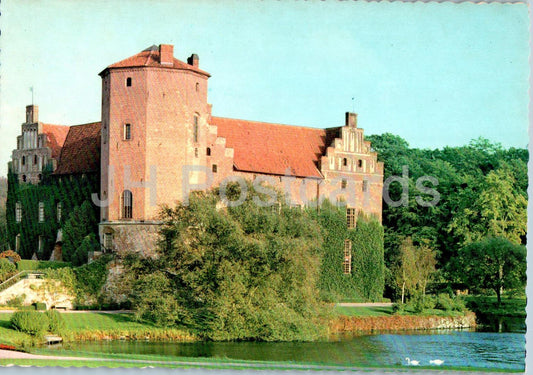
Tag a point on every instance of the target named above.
point(208, 152)
point(127, 204)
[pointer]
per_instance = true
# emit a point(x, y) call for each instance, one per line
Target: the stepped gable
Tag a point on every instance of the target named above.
point(274, 148)
point(81, 151)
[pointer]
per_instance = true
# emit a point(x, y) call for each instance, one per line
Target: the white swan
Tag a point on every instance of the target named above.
point(437, 362)
point(412, 363)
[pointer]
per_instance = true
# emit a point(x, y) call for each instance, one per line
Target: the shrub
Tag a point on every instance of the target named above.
point(88, 245)
point(10, 254)
point(7, 269)
point(16, 301)
point(444, 302)
point(39, 306)
point(31, 322)
point(56, 323)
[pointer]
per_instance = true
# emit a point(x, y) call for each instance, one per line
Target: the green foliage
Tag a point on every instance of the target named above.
point(236, 273)
point(16, 301)
point(30, 322)
point(7, 269)
point(493, 263)
point(71, 192)
point(483, 192)
point(89, 244)
point(40, 306)
point(56, 323)
point(81, 223)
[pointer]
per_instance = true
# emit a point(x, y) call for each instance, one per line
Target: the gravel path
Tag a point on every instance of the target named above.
point(12, 354)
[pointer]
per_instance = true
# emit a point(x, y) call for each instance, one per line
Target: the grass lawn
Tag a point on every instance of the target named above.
point(511, 306)
point(96, 326)
point(363, 310)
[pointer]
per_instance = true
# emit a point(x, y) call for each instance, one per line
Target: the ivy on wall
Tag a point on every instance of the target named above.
point(71, 191)
point(367, 278)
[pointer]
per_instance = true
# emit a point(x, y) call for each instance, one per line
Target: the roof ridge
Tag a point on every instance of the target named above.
point(275, 123)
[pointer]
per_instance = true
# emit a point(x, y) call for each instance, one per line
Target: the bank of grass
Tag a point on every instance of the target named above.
point(95, 326)
point(376, 311)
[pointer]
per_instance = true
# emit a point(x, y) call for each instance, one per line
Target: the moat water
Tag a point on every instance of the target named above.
point(482, 349)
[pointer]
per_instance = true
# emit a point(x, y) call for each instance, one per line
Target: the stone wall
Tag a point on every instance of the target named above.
point(51, 292)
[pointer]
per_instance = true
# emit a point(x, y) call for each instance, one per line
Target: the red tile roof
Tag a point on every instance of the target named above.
point(55, 135)
point(150, 57)
point(273, 148)
point(81, 151)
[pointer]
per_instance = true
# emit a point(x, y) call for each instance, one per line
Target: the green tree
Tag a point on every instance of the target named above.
point(493, 263)
point(81, 223)
point(89, 244)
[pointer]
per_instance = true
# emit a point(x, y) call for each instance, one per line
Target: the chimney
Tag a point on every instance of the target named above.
point(351, 119)
point(193, 60)
point(32, 114)
point(166, 54)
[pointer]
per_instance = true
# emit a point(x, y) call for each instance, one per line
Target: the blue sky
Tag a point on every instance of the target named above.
point(435, 74)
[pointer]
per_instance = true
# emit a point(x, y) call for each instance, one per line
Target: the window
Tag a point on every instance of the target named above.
point(365, 185)
point(17, 243)
point(23, 160)
point(40, 247)
point(18, 212)
point(23, 178)
point(276, 208)
point(197, 87)
point(195, 129)
point(343, 183)
point(59, 210)
point(128, 81)
point(196, 152)
point(350, 218)
point(108, 241)
point(344, 162)
point(34, 159)
point(214, 168)
point(208, 152)
point(347, 261)
point(360, 163)
point(41, 212)
point(127, 204)
point(127, 131)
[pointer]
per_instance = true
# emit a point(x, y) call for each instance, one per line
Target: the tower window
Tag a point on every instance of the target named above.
point(59, 211)
point(344, 183)
point(195, 129)
point(18, 212)
point(41, 212)
point(127, 204)
point(350, 218)
point(197, 87)
point(128, 81)
point(344, 162)
point(34, 159)
point(208, 151)
point(214, 168)
point(23, 160)
point(365, 185)
point(347, 261)
point(360, 163)
point(127, 131)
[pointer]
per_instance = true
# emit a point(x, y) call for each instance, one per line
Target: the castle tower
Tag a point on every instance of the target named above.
point(154, 121)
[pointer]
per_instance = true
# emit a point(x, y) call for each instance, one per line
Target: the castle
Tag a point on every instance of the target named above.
point(157, 141)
